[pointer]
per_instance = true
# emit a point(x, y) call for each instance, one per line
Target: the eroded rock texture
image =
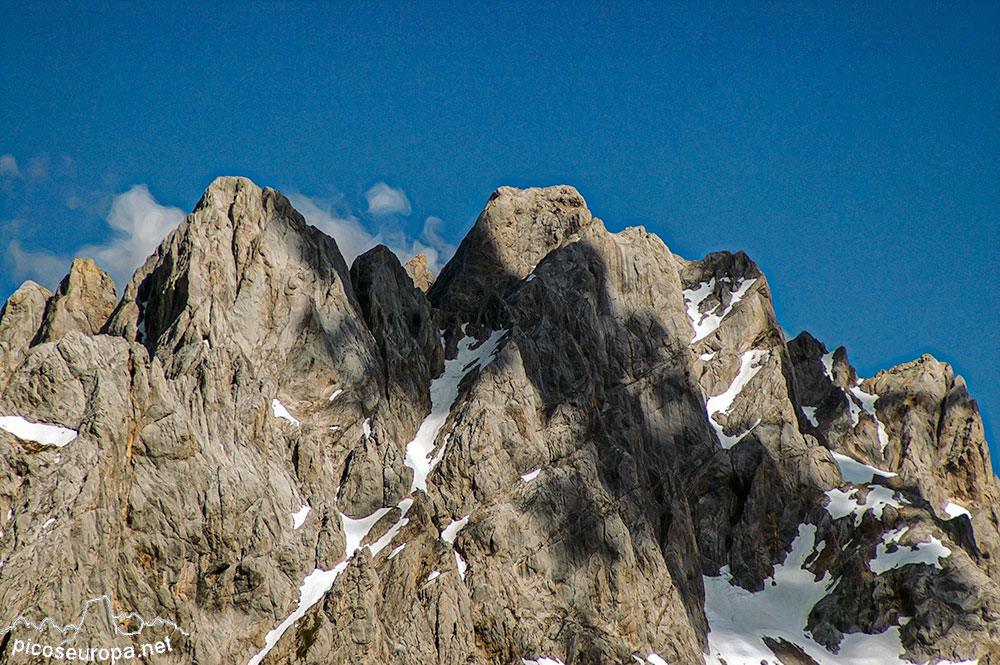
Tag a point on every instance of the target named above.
point(572, 445)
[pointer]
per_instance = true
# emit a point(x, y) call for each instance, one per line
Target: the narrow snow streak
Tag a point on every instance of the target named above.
point(706, 323)
point(855, 472)
point(542, 660)
point(319, 581)
point(928, 553)
point(281, 412)
point(336, 393)
point(738, 619)
point(723, 402)
point(867, 401)
point(860, 397)
point(43, 433)
point(444, 392)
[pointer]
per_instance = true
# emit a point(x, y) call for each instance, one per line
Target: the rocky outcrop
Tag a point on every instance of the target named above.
point(575, 446)
point(83, 302)
point(19, 321)
point(416, 268)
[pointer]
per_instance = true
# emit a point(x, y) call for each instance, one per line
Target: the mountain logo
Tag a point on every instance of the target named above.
point(100, 611)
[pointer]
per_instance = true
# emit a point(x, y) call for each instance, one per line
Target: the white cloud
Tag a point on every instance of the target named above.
point(354, 239)
point(139, 224)
point(46, 269)
point(385, 201)
point(8, 167)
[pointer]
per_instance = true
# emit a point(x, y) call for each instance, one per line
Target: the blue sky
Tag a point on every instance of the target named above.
point(853, 150)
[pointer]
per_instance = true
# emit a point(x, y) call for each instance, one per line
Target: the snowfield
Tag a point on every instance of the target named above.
point(739, 619)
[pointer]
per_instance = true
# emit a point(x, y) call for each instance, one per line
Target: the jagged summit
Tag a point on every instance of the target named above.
point(515, 231)
point(574, 447)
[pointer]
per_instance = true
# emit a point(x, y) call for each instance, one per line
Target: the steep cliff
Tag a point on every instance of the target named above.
point(572, 446)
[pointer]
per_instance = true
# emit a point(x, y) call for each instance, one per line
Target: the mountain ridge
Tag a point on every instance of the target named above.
point(638, 426)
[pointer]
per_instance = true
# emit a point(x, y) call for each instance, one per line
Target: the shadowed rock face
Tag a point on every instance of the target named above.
point(548, 451)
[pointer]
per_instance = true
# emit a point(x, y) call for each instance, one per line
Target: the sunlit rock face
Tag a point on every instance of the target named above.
point(572, 446)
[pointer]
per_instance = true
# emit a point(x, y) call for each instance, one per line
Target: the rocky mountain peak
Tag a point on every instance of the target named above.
point(83, 302)
point(240, 268)
point(575, 447)
point(516, 229)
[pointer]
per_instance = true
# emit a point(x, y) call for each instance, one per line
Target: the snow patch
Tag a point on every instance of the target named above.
point(706, 323)
point(451, 531)
point(843, 503)
point(927, 553)
point(336, 393)
point(542, 661)
point(388, 536)
point(723, 402)
point(531, 475)
point(281, 412)
point(299, 518)
point(316, 583)
point(366, 427)
point(444, 392)
point(854, 471)
point(655, 659)
point(867, 401)
point(953, 510)
point(42, 433)
point(810, 413)
point(739, 619)
point(434, 575)
point(860, 397)
point(396, 550)
point(827, 361)
point(705, 357)
point(460, 563)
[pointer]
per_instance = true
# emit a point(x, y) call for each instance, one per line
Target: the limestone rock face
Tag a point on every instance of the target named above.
point(19, 321)
point(84, 301)
point(574, 445)
point(515, 231)
point(416, 268)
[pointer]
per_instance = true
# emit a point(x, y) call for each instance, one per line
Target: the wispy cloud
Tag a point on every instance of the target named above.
point(8, 167)
point(386, 201)
point(335, 218)
point(46, 269)
point(329, 216)
point(138, 225)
